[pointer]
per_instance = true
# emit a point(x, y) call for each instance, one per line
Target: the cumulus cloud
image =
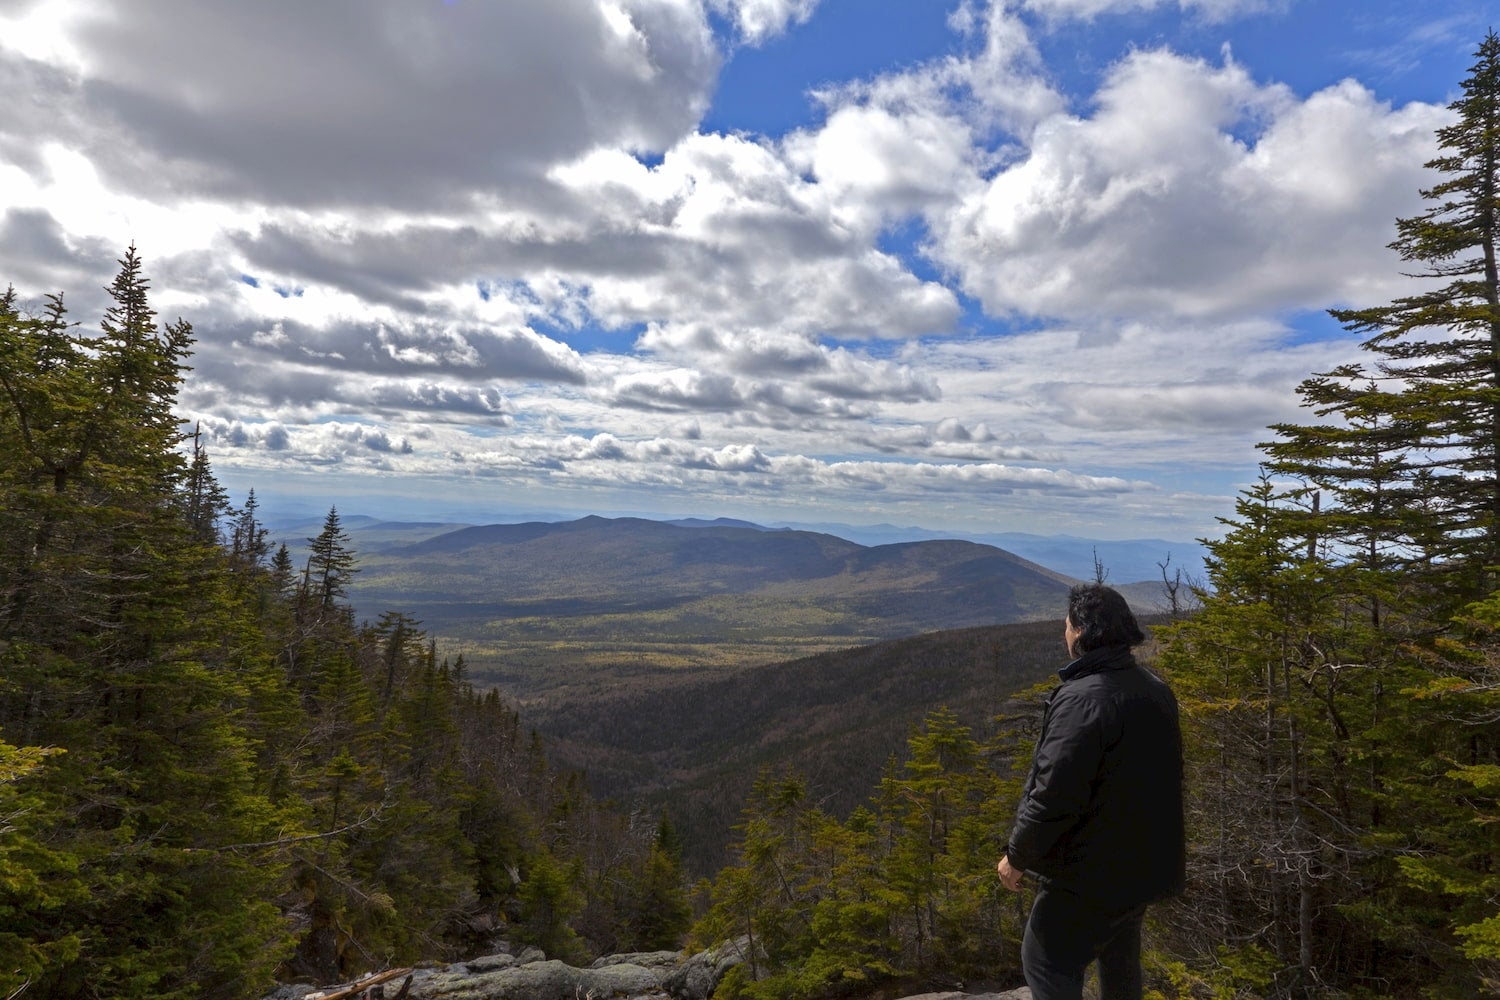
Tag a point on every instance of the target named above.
point(1011, 85)
point(403, 346)
point(892, 148)
point(771, 402)
point(775, 354)
point(1212, 10)
point(1194, 191)
point(670, 463)
point(345, 102)
point(738, 237)
point(759, 20)
point(492, 241)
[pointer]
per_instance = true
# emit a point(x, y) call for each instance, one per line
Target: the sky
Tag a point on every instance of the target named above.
point(1049, 266)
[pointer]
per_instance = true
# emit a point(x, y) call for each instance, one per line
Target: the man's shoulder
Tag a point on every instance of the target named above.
point(1129, 682)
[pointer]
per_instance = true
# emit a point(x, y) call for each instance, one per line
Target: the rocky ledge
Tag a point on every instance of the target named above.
point(530, 975)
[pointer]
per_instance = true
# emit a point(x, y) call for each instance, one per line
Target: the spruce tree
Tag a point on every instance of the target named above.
point(114, 648)
point(37, 881)
point(1394, 499)
point(329, 566)
point(1420, 428)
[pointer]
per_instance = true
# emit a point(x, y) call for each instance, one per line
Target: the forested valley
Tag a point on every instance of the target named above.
point(212, 775)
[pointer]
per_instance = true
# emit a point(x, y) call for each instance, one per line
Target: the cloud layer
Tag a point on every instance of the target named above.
point(491, 244)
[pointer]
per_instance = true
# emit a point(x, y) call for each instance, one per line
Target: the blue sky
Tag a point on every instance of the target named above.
point(1021, 265)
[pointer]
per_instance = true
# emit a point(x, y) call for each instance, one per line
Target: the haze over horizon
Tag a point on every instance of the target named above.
point(1046, 266)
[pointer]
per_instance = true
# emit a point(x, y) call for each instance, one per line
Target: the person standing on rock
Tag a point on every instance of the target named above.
point(1100, 823)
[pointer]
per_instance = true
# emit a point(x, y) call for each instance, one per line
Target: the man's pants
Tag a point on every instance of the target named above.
point(1066, 933)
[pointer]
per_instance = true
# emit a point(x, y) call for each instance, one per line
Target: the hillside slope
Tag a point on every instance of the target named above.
point(528, 604)
point(695, 740)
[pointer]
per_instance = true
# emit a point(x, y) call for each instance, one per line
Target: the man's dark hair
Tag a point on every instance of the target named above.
point(1102, 618)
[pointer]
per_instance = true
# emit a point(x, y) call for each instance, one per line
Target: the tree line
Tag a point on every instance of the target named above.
point(211, 775)
point(1340, 686)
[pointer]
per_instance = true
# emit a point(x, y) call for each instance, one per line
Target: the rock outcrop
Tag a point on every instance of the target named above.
point(696, 977)
point(530, 975)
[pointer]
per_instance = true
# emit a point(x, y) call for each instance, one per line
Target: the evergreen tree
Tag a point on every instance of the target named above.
point(1393, 516)
point(1421, 434)
point(928, 809)
point(655, 910)
point(207, 502)
point(113, 647)
point(330, 565)
point(244, 782)
point(1277, 692)
point(36, 881)
point(904, 887)
point(248, 545)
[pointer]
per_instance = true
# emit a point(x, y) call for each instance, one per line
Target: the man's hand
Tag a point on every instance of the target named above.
point(1009, 877)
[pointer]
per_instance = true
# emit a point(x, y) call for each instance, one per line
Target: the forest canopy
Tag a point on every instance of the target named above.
point(211, 775)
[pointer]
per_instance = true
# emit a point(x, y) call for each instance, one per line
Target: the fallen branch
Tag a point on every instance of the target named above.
point(344, 992)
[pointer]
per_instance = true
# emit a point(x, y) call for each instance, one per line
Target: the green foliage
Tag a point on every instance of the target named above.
point(1247, 972)
point(1414, 458)
point(715, 730)
point(112, 630)
point(549, 899)
point(903, 887)
point(329, 568)
point(1338, 681)
point(649, 906)
point(36, 881)
point(237, 781)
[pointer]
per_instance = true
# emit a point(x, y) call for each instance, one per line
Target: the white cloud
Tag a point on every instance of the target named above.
point(791, 359)
point(490, 241)
point(1194, 192)
point(1212, 10)
point(346, 102)
point(1007, 76)
point(880, 157)
point(760, 20)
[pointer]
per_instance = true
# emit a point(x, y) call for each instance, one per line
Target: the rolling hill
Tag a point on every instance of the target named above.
point(529, 604)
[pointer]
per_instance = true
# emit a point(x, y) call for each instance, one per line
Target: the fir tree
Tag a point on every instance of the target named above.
point(329, 566)
point(113, 642)
point(1418, 449)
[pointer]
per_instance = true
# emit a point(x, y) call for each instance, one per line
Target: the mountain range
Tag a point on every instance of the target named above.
point(535, 608)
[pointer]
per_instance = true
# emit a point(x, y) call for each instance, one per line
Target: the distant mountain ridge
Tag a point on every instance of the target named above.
point(724, 555)
point(530, 604)
point(538, 607)
point(1125, 561)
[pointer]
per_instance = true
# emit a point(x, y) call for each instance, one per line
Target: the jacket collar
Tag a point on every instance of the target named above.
point(1097, 661)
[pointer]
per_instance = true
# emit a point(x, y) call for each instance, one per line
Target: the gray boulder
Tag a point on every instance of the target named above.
point(551, 980)
point(486, 963)
point(652, 975)
point(698, 977)
point(645, 959)
point(1022, 993)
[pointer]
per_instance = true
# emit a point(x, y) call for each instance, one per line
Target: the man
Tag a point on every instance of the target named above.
point(1100, 823)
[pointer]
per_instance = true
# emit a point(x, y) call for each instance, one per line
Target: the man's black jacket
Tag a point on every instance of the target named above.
point(1102, 811)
